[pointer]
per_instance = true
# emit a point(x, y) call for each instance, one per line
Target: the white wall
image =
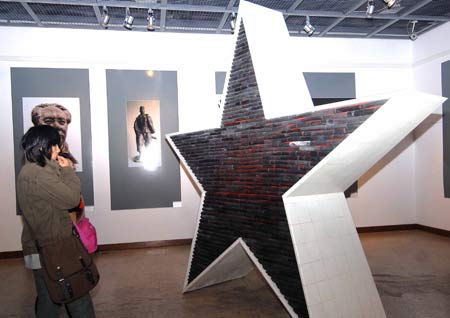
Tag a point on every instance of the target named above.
point(430, 51)
point(194, 57)
point(380, 65)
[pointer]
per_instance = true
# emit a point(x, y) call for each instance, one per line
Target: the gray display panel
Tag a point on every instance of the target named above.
point(220, 81)
point(133, 186)
point(445, 68)
point(331, 85)
point(51, 84)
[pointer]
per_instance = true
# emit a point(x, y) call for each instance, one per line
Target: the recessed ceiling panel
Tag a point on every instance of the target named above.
point(178, 1)
point(331, 5)
point(404, 27)
point(193, 20)
point(357, 26)
point(13, 11)
point(214, 3)
point(219, 3)
point(435, 8)
point(49, 13)
point(275, 4)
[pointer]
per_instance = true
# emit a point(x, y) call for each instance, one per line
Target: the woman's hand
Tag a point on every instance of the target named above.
point(64, 162)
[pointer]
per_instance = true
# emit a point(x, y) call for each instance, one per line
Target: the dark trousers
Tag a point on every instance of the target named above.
point(46, 308)
point(142, 139)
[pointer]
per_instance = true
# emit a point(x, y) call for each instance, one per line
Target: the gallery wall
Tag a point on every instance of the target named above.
point(380, 66)
point(429, 52)
point(193, 58)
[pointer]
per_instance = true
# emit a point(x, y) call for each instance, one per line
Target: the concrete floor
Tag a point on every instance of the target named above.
point(411, 270)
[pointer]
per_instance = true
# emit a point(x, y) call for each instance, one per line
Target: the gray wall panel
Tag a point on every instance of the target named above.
point(220, 82)
point(135, 187)
point(48, 82)
point(445, 68)
point(331, 85)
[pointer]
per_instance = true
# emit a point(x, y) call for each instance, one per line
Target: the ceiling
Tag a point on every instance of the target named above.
point(330, 18)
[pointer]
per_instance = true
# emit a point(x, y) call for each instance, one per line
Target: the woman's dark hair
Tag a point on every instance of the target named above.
point(37, 143)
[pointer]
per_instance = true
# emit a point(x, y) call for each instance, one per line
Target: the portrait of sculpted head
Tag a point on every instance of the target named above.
point(54, 115)
point(62, 113)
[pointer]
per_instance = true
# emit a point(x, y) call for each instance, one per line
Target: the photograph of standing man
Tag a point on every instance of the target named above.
point(143, 128)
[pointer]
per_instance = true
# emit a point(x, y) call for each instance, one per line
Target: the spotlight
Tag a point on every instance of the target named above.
point(150, 20)
point(129, 19)
point(370, 8)
point(389, 3)
point(308, 28)
point(412, 35)
point(233, 22)
point(105, 17)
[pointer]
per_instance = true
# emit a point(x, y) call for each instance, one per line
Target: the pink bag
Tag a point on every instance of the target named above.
point(88, 234)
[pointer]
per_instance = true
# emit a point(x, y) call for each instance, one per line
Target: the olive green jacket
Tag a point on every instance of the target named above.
point(45, 194)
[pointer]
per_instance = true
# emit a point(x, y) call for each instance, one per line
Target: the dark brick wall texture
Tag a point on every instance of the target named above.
point(247, 164)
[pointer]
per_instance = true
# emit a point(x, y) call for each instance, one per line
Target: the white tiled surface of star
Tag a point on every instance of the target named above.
point(276, 68)
point(335, 275)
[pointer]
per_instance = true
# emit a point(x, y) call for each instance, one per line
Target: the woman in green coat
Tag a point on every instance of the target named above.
point(47, 188)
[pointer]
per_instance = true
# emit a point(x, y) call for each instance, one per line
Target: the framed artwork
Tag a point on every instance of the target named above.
point(142, 109)
point(144, 134)
point(61, 98)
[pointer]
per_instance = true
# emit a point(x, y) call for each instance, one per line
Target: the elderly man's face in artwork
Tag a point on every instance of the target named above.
point(53, 115)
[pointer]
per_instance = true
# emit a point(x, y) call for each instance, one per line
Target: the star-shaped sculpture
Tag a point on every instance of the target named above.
point(247, 167)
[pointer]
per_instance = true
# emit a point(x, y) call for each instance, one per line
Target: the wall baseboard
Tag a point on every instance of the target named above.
point(403, 227)
point(137, 245)
point(115, 247)
point(386, 228)
point(12, 254)
point(433, 230)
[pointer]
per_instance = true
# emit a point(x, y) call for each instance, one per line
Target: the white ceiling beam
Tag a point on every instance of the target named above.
point(32, 14)
point(225, 16)
point(162, 18)
point(98, 15)
point(293, 7)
